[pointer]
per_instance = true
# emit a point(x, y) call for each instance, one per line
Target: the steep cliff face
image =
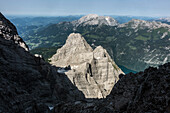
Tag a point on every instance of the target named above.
point(27, 82)
point(92, 71)
point(144, 92)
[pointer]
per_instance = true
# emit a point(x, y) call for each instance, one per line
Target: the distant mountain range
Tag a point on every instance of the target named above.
point(125, 19)
point(28, 84)
point(136, 44)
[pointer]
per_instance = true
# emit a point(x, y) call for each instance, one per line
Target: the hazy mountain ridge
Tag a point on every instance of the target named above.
point(125, 19)
point(142, 24)
point(28, 25)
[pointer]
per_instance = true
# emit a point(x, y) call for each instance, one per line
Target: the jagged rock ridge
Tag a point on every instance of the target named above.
point(92, 71)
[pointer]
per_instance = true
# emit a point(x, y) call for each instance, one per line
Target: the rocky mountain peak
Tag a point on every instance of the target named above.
point(69, 54)
point(92, 71)
point(77, 41)
point(94, 19)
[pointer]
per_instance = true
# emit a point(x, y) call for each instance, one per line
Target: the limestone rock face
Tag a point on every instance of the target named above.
point(68, 54)
point(92, 71)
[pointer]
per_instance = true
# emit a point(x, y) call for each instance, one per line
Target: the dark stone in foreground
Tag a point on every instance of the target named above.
point(27, 83)
point(144, 92)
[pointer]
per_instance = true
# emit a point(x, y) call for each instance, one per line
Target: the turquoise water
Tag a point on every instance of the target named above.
point(126, 70)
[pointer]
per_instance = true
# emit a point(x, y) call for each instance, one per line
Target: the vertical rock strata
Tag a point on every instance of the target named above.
point(92, 71)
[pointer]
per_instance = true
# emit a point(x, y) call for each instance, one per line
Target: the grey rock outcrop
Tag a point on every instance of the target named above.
point(92, 71)
point(94, 19)
point(144, 92)
point(27, 83)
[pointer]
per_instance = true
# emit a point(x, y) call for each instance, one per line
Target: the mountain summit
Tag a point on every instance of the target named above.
point(91, 71)
point(94, 19)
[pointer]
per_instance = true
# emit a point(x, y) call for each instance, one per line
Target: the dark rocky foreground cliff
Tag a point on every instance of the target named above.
point(30, 85)
point(144, 92)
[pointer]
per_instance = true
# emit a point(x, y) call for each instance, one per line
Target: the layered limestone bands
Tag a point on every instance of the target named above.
point(92, 71)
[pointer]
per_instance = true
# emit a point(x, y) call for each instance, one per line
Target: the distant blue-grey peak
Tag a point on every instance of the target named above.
point(142, 24)
point(94, 19)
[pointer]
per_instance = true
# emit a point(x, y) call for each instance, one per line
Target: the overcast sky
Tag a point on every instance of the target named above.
point(83, 7)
